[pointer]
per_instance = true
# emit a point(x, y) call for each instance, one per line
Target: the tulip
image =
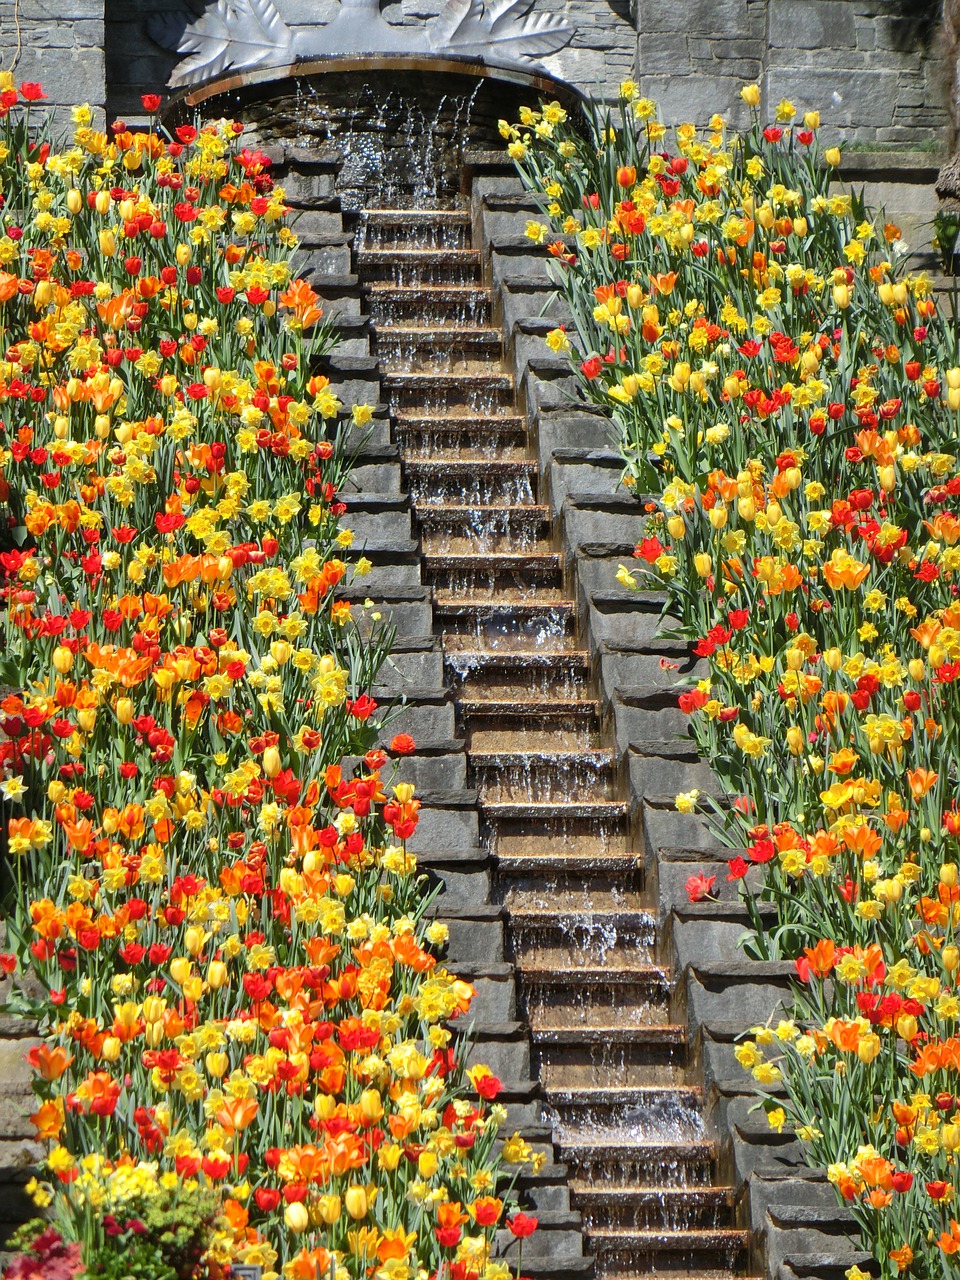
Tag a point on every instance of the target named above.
point(153, 1034)
point(675, 526)
point(180, 969)
point(389, 1155)
point(950, 1136)
point(703, 563)
point(635, 296)
point(750, 93)
point(841, 296)
point(907, 1027)
point(62, 659)
point(102, 202)
point(951, 958)
point(868, 1047)
point(948, 875)
point(832, 156)
point(271, 762)
point(833, 659)
point(427, 1164)
point(183, 254)
point(74, 200)
point(217, 975)
point(371, 1106)
point(108, 242)
point(217, 1064)
point(153, 1008)
point(111, 1048)
point(328, 1209)
point(296, 1217)
point(626, 175)
point(356, 1202)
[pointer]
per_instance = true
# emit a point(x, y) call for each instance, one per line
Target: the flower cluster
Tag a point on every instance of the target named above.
point(787, 397)
point(216, 920)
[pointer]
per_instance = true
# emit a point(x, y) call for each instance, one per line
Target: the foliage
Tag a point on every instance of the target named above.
point(42, 1254)
point(216, 920)
point(789, 397)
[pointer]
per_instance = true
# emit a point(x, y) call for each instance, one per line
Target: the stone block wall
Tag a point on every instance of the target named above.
point(59, 43)
point(872, 66)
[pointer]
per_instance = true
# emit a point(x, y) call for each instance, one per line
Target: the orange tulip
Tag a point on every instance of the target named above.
point(237, 1114)
point(49, 1063)
point(48, 1120)
point(921, 780)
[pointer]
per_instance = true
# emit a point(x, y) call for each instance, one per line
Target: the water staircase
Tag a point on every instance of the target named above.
point(610, 1046)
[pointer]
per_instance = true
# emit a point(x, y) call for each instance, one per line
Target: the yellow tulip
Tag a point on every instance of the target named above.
point(356, 1202)
point(296, 1217)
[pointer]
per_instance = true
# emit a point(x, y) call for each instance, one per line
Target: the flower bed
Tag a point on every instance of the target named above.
point(245, 1048)
point(789, 398)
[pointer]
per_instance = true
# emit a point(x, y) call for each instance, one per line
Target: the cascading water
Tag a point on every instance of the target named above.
point(611, 1057)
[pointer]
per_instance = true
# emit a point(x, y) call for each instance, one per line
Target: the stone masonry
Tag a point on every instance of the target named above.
point(872, 66)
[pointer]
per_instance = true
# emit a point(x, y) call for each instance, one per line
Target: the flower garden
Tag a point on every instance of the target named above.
point(248, 1049)
point(787, 402)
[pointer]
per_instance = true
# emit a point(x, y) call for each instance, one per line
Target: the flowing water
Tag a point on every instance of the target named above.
point(626, 1110)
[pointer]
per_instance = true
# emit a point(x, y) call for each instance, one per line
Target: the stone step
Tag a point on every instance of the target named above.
point(535, 870)
point(554, 709)
point(373, 516)
point(428, 228)
point(550, 814)
point(434, 393)
point(528, 624)
point(555, 995)
point(520, 572)
point(627, 1160)
point(445, 304)
point(626, 617)
point(399, 265)
point(517, 527)
point(426, 435)
point(684, 1274)
point(609, 1053)
point(656, 1208)
point(648, 1112)
point(544, 775)
point(415, 347)
point(484, 481)
point(616, 1249)
point(408, 608)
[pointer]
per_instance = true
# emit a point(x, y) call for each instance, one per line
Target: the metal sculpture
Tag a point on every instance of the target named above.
point(237, 35)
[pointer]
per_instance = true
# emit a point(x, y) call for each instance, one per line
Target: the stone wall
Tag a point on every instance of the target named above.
point(872, 66)
point(59, 43)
